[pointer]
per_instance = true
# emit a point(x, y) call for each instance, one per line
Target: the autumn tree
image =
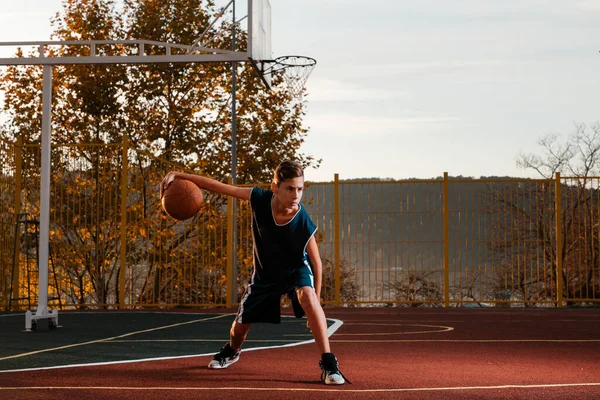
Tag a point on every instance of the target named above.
point(174, 116)
point(83, 112)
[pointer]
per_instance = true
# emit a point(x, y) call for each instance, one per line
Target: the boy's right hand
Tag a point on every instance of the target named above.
point(164, 184)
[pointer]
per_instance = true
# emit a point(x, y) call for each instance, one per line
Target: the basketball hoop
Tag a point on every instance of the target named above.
point(296, 70)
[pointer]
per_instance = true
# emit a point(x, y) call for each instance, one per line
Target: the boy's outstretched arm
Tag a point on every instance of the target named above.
point(208, 184)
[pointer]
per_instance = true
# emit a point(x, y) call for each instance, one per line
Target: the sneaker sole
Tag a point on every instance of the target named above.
point(219, 366)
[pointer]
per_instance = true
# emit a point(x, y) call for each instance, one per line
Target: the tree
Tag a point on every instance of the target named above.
point(417, 289)
point(350, 291)
point(528, 249)
point(176, 116)
point(578, 156)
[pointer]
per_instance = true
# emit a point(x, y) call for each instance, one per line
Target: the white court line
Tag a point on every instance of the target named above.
point(370, 341)
point(205, 340)
point(281, 389)
point(470, 341)
point(12, 315)
point(493, 320)
point(439, 329)
point(330, 331)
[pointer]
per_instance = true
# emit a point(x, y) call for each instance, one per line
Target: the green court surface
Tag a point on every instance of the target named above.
point(107, 337)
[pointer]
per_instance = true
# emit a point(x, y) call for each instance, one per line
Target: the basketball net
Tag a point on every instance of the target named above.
point(295, 70)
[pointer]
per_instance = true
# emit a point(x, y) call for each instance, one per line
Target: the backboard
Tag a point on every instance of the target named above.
point(260, 24)
point(259, 34)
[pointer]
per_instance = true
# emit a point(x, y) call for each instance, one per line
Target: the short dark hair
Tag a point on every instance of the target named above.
point(287, 170)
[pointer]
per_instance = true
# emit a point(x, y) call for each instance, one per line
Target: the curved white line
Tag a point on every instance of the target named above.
point(440, 329)
point(330, 331)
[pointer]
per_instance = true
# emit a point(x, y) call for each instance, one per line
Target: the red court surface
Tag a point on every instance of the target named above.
point(387, 353)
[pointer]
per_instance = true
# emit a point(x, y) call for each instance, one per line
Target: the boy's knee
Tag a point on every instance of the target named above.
point(307, 297)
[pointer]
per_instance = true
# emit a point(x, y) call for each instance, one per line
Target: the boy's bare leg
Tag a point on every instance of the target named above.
point(316, 317)
point(238, 334)
point(230, 353)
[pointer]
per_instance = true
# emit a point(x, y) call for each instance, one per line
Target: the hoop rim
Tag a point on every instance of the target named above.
point(296, 70)
point(307, 61)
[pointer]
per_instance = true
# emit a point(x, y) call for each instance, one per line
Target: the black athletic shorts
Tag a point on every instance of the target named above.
point(262, 299)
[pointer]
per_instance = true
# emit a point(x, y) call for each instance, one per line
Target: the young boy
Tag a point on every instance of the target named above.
point(286, 261)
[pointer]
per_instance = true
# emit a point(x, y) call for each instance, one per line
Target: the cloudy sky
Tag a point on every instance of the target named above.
point(414, 88)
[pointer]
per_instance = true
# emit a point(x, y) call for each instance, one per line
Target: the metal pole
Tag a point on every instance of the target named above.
point(197, 41)
point(232, 297)
point(336, 235)
point(124, 193)
point(559, 242)
point(233, 107)
point(446, 204)
point(18, 179)
point(230, 250)
point(42, 309)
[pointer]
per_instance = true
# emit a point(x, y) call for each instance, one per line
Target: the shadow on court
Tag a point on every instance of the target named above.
point(102, 337)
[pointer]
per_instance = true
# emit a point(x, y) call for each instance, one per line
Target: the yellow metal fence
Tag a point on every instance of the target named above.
point(439, 242)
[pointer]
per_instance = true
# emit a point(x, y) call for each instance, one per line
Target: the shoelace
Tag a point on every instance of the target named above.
point(331, 369)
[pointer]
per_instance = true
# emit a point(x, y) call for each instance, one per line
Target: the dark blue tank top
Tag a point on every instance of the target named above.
point(278, 249)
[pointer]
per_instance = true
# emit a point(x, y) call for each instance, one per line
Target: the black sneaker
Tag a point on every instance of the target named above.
point(330, 373)
point(224, 358)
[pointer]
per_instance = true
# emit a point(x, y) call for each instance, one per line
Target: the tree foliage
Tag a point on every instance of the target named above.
point(176, 115)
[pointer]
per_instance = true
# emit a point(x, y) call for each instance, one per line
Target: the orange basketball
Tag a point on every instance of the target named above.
point(182, 199)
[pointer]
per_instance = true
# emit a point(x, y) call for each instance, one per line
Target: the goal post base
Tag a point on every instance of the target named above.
point(40, 322)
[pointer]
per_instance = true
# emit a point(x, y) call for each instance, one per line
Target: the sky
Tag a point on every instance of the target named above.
point(415, 88)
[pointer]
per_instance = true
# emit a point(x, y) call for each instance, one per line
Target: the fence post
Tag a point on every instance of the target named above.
point(336, 237)
point(559, 242)
point(17, 199)
point(124, 195)
point(231, 278)
point(446, 244)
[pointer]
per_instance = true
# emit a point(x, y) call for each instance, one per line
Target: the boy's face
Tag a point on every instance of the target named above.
point(289, 192)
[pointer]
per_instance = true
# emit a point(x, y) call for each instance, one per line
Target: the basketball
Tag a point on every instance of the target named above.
point(182, 199)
